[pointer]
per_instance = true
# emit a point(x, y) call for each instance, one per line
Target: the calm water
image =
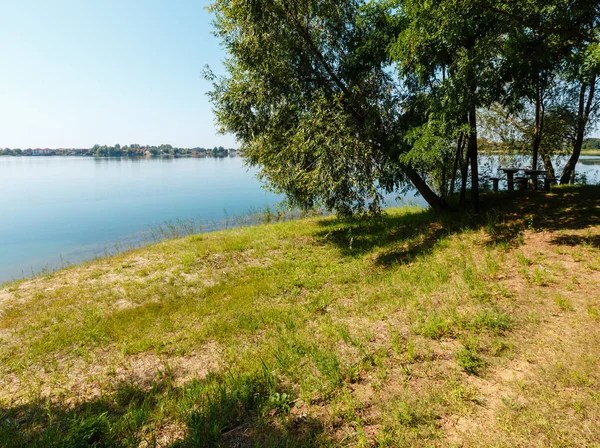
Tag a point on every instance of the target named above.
point(56, 210)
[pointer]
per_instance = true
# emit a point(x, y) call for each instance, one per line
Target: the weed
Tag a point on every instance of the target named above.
point(593, 312)
point(491, 263)
point(500, 347)
point(540, 277)
point(413, 414)
point(223, 404)
point(280, 402)
point(493, 320)
point(512, 403)
point(563, 303)
point(523, 260)
point(469, 361)
point(436, 326)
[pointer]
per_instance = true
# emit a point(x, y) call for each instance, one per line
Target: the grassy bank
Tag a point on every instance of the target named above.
point(590, 152)
point(410, 330)
point(584, 152)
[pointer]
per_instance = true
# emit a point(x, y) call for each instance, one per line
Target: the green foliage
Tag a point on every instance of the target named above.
point(133, 150)
point(469, 361)
point(436, 326)
point(310, 95)
point(338, 102)
point(224, 403)
point(493, 320)
point(591, 143)
point(563, 303)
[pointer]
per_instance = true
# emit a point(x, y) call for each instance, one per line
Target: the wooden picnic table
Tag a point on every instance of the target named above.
point(533, 177)
point(530, 179)
point(510, 177)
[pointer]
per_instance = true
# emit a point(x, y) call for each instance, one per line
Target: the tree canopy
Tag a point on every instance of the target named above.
point(340, 102)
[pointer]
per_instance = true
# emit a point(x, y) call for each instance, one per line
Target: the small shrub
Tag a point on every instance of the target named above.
point(469, 361)
point(279, 402)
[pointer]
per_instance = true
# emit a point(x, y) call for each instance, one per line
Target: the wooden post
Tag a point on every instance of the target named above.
point(510, 180)
point(533, 181)
point(495, 180)
point(548, 183)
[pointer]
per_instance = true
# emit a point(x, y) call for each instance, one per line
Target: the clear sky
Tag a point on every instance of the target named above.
point(78, 72)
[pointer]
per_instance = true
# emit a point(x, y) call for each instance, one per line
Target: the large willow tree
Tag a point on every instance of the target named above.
point(340, 101)
point(311, 95)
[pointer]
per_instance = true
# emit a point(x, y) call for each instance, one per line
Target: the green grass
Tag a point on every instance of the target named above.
point(590, 152)
point(318, 332)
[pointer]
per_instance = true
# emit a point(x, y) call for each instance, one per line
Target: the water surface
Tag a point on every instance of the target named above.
point(60, 210)
point(56, 210)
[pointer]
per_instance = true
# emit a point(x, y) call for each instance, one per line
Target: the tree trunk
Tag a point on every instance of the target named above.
point(568, 174)
point(546, 160)
point(537, 130)
point(548, 166)
point(472, 154)
point(464, 169)
point(459, 152)
point(464, 172)
point(435, 202)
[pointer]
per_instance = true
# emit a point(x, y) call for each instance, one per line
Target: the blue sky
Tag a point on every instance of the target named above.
point(79, 72)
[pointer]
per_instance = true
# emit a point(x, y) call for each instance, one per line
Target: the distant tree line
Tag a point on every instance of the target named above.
point(133, 150)
point(591, 143)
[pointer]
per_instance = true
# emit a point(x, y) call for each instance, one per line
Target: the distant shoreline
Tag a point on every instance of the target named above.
point(128, 156)
point(218, 155)
point(584, 152)
point(198, 154)
point(133, 150)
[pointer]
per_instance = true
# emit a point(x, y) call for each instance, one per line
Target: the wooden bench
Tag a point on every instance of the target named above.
point(522, 182)
point(495, 181)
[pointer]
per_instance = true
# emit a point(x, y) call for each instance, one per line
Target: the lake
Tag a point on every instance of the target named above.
point(60, 210)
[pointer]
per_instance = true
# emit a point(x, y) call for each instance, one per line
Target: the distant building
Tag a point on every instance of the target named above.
point(42, 151)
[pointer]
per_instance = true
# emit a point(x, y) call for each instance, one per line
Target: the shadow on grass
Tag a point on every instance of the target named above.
point(577, 240)
point(221, 410)
point(400, 238)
